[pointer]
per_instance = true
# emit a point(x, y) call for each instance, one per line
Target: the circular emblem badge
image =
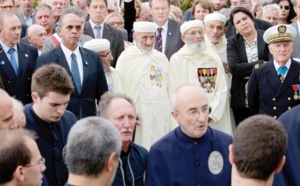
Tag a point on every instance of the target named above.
point(282, 29)
point(215, 162)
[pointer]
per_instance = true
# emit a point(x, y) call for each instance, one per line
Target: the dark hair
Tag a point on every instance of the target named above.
point(88, 2)
point(259, 144)
point(13, 152)
point(50, 78)
point(240, 9)
point(204, 3)
point(292, 13)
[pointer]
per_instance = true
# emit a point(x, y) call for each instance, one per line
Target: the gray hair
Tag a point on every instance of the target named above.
point(42, 7)
point(106, 99)
point(17, 104)
point(271, 7)
point(71, 10)
point(91, 141)
point(114, 14)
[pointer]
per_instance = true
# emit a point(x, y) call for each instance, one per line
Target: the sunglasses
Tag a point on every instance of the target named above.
point(286, 7)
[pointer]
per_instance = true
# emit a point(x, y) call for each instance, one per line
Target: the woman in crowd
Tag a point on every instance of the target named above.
point(287, 11)
point(244, 50)
point(201, 8)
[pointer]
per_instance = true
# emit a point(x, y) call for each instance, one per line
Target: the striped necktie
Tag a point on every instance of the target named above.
point(159, 39)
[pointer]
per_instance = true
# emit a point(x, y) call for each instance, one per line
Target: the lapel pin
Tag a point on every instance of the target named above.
point(26, 55)
point(170, 33)
point(2, 63)
point(86, 63)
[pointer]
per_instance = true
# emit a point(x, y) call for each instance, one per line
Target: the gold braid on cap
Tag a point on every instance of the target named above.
point(280, 37)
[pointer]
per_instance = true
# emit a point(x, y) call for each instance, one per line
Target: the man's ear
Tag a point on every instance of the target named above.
point(112, 162)
point(231, 154)
point(34, 97)
point(175, 116)
point(280, 165)
point(19, 173)
point(182, 37)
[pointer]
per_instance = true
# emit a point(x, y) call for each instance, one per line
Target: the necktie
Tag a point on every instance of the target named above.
point(98, 33)
point(13, 60)
point(75, 72)
point(282, 70)
point(159, 39)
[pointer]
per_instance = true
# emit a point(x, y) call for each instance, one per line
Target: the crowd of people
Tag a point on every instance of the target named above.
point(105, 92)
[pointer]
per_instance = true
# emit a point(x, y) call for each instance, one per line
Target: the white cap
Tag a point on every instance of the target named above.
point(190, 24)
point(215, 17)
point(144, 26)
point(97, 45)
point(279, 33)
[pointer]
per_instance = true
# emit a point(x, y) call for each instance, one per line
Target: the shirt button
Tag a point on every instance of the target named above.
point(289, 98)
point(195, 143)
point(275, 117)
point(274, 99)
point(197, 163)
point(274, 108)
point(289, 108)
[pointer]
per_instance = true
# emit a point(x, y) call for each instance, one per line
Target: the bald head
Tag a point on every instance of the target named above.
point(145, 15)
point(6, 111)
point(36, 36)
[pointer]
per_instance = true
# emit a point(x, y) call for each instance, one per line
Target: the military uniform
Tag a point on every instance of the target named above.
point(267, 94)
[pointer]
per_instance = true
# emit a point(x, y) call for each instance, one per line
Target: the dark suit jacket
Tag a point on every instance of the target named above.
point(25, 40)
point(266, 93)
point(173, 42)
point(19, 87)
point(112, 34)
point(259, 24)
point(94, 82)
point(23, 31)
point(240, 67)
point(289, 174)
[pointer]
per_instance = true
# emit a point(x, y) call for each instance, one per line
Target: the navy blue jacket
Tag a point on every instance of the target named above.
point(94, 81)
point(51, 145)
point(289, 175)
point(19, 86)
point(132, 166)
point(177, 159)
point(266, 93)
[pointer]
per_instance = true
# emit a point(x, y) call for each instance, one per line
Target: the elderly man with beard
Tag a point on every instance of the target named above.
point(195, 64)
point(102, 47)
point(144, 74)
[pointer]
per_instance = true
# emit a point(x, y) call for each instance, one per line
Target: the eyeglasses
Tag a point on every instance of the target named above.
point(106, 55)
point(194, 33)
point(41, 161)
point(286, 7)
point(116, 23)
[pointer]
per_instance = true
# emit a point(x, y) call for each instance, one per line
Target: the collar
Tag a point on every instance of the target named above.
point(288, 64)
point(94, 24)
point(68, 52)
point(164, 27)
point(6, 48)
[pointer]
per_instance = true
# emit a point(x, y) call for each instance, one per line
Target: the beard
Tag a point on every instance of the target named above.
point(195, 48)
point(145, 50)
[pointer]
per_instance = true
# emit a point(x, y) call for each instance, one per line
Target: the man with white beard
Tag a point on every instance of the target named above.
point(144, 74)
point(195, 64)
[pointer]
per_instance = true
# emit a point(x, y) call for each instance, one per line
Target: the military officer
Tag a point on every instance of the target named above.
point(274, 87)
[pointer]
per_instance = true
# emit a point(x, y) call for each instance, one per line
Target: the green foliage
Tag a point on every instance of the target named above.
point(186, 4)
point(36, 3)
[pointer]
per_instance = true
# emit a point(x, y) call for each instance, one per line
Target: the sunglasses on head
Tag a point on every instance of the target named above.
point(286, 7)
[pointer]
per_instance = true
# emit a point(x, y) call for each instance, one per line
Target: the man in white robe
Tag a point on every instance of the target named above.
point(196, 64)
point(102, 47)
point(144, 74)
point(214, 36)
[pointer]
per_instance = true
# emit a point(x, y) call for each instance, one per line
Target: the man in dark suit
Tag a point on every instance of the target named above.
point(83, 65)
point(96, 28)
point(17, 60)
point(273, 86)
point(259, 24)
point(168, 36)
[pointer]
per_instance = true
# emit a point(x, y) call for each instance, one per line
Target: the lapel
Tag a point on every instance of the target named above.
point(23, 61)
point(272, 76)
point(292, 74)
point(260, 45)
point(7, 68)
point(169, 37)
point(62, 61)
point(106, 32)
point(86, 63)
point(241, 48)
point(88, 30)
